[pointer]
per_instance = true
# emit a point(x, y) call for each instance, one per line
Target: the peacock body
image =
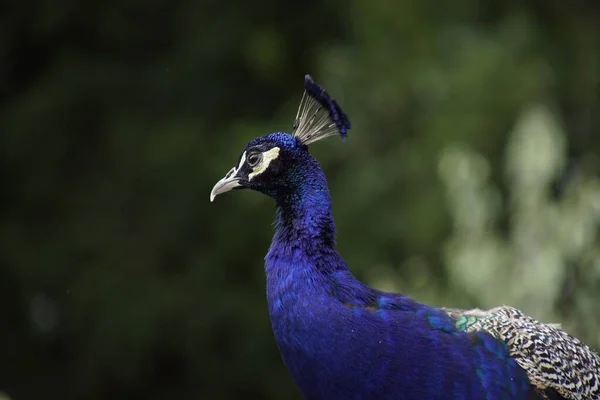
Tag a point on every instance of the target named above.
point(341, 339)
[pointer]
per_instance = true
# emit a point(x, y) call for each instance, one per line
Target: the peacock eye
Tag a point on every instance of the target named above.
point(253, 159)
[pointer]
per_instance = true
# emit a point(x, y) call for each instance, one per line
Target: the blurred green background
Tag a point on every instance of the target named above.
point(470, 178)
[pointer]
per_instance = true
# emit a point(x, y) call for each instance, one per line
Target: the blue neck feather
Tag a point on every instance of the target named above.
point(341, 339)
point(304, 218)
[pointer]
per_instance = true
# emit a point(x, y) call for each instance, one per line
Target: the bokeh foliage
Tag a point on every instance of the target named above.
point(469, 178)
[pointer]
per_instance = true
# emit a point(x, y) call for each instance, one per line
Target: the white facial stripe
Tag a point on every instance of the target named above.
point(267, 157)
point(242, 161)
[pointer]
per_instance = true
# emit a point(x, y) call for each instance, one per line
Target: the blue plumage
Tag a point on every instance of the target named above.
point(336, 114)
point(339, 338)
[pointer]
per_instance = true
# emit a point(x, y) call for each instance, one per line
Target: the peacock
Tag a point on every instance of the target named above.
point(341, 339)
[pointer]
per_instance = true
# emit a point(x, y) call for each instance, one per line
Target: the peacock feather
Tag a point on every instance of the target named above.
point(341, 339)
point(555, 362)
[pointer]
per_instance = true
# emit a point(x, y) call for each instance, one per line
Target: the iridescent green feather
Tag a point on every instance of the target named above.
point(553, 359)
point(464, 321)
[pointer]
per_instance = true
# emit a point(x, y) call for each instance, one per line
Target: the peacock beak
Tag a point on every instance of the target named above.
point(230, 181)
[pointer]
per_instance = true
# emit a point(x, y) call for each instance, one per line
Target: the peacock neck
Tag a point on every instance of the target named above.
point(304, 216)
point(303, 248)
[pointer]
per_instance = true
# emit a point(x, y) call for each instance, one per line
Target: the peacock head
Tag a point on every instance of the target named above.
point(272, 163)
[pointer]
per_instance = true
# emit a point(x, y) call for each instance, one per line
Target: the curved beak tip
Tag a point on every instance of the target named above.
point(230, 181)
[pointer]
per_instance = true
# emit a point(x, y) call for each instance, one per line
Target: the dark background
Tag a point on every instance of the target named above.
point(469, 178)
